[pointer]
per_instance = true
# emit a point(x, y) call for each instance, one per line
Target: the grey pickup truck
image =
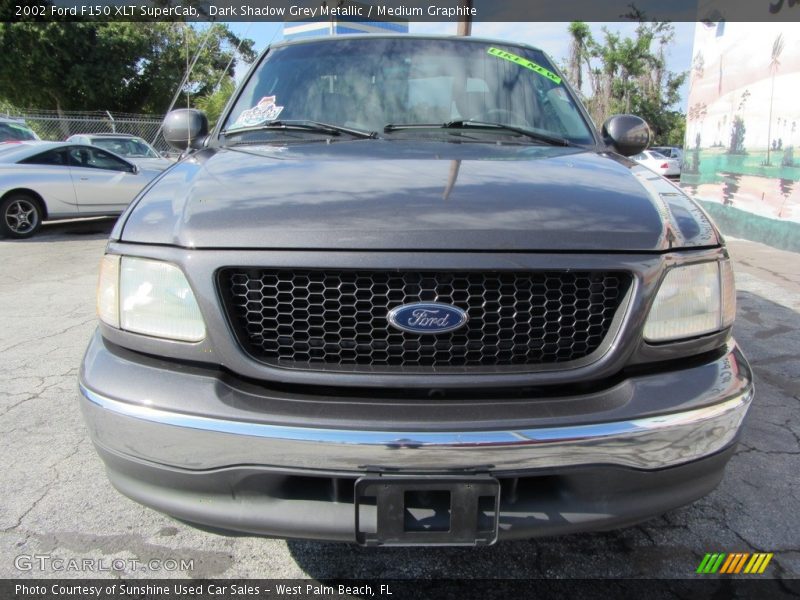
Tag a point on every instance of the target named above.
point(405, 293)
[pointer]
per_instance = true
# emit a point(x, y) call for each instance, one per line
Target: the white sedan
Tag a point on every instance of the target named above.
point(655, 161)
point(129, 147)
point(58, 180)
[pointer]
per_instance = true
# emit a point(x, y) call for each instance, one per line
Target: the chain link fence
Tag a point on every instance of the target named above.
point(50, 125)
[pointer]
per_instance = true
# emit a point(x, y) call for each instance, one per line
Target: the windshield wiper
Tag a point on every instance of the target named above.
point(469, 124)
point(304, 125)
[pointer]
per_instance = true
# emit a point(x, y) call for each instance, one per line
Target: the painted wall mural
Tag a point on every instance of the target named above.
point(742, 145)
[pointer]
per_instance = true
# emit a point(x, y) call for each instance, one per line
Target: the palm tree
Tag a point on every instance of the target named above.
point(774, 65)
point(214, 103)
point(578, 53)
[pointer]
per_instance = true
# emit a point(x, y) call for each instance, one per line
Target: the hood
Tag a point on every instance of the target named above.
point(412, 195)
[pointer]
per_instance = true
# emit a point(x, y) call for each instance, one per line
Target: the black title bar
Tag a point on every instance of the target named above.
point(402, 10)
point(397, 589)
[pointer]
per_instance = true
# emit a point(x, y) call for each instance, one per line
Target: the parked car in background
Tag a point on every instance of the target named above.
point(657, 162)
point(130, 147)
point(57, 180)
point(15, 130)
point(670, 152)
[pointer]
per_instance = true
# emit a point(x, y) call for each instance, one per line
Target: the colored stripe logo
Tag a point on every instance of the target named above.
point(734, 563)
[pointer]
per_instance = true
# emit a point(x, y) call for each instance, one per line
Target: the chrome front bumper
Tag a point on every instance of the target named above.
point(129, 422)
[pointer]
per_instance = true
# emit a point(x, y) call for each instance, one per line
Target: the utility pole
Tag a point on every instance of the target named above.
point(465, 26)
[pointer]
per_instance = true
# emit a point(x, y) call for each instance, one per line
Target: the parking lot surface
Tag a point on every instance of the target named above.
point(57, 502)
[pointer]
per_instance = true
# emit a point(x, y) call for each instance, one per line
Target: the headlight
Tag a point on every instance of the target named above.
point(149, 297)
point(693, 300)
point(108, 290)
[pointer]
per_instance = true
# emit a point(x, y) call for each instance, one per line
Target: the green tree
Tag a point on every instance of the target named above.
point(163, 69)
point(675, 129)
point(629, 75)
point(75, 66)
point(213, 104)
point(116, 66)
point(579, 52)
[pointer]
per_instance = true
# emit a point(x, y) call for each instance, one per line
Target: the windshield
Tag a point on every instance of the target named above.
point(15, 132)
point(367, 84)
point(132, 148)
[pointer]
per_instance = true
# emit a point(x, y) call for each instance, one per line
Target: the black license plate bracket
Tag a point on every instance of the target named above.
point(427, 510)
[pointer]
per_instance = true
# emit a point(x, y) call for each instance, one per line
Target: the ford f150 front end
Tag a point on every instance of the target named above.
point(405, 293)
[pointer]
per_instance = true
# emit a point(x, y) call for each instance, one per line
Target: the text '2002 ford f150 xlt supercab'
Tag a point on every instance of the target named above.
point(406, 293)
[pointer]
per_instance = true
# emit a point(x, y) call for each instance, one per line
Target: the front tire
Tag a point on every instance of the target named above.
point(20, 216)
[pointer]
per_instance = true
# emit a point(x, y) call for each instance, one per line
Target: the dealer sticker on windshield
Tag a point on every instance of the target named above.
point(524, 62)
point(266, 110)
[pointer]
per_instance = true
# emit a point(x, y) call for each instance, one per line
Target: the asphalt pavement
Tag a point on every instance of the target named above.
point(57, 504)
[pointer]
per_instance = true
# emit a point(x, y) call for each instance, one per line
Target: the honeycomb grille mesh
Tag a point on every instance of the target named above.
point(309, 318)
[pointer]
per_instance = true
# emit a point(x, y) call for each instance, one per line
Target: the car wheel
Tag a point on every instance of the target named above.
point(21, 216)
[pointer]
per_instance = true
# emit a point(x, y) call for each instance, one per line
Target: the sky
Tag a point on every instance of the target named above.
point(550, 37)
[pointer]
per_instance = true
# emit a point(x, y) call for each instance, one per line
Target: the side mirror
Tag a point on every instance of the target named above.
point(185, 128)
point(627, 134)
point(130, 167)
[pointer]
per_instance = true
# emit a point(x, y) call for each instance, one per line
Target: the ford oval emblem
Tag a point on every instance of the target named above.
point(427, 317)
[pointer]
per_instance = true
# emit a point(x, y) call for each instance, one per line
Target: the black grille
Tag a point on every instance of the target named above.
point(309, 317)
